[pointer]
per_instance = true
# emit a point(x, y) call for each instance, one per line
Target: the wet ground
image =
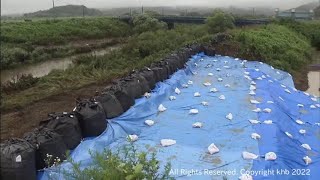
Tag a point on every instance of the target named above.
point(314, 75)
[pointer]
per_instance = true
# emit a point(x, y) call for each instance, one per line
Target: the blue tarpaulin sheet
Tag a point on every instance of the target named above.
point(189, 157)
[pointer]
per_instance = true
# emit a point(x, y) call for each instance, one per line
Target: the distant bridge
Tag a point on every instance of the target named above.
point(170, 20)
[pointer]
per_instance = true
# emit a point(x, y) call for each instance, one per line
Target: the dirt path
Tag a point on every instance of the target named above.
point(15, 123)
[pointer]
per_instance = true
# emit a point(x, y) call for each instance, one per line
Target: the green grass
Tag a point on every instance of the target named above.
point(29, 42)
point(277, 45)
point(141, 50)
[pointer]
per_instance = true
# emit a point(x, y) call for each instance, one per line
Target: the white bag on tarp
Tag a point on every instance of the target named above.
point(197, 125)
point(288, 134)
point(222, 97)
point(132, 137)
point(253, 121)
point(306, 146)
point(267, 110)
point(161, 108)
point(205, 103)
point(255, 136)
point(298, 121)
point(207, 84)
point(149, 122)
point(190, 82)
point(245, 177)
point(249, 156)
point(196, 94)
point(167, 142)
point(267, 122)
point(307, 160)
point(177, 91)
point(302, 131)
point(213, 90)
point(172, 98)
point(257, 110)
point(270, 156)
point(229, 116)
point(193, 111)
point(213, 149)
point(253, 101)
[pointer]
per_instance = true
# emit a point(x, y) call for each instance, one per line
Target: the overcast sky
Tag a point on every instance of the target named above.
point(24, 6)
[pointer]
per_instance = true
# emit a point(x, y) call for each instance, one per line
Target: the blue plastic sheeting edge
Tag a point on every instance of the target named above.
point(189, 157)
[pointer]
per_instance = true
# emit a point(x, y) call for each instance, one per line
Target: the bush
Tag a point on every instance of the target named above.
point(219, 22)
point(144, 23)
point(13, 56)
point(19, 83)
point(276, 45)
point(127, 163)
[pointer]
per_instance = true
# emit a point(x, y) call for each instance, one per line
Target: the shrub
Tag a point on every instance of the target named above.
point(219, 22)
point(19, 83)
point(144, 23)
point(127, 163)
point(12, 56)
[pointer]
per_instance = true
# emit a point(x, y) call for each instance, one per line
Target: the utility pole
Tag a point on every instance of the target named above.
point(83, 11)
point(52, 3)
point(142, 9)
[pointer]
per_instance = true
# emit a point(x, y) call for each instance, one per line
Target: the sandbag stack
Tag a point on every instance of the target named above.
point(92, 117)
point(65, 124)
point(111, 106)
point(17, 160)
point(47, 142)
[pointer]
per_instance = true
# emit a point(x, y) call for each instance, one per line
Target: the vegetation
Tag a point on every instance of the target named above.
point(27, 42)
point(317, 12)
point(66, 11)
point(275, 44)
point(219, 22)
point(146, 22)
point(124, 164)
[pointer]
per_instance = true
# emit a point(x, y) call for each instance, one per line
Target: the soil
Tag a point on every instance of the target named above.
point(17, 122)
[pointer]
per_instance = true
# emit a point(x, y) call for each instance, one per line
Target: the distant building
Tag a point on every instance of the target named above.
point(298, 15)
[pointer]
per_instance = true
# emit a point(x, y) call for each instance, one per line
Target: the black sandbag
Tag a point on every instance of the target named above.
point(149, 76)
point(122, 96)
point(67, 125)
point(49, 143)
point(157, 74)
point(142, 82)
point(92, 117)
point(17, 160)
point(110, 104)
point(131, 87)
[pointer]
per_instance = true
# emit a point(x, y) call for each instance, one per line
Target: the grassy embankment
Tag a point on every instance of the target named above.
point(28, 42)
point(276, 45)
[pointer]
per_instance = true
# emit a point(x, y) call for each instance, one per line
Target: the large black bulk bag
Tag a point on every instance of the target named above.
point(110, 104)
point(149, 76)
point(48, 143)
point(17, 160)
point(67, 125)
point(92, 117)
point(131, 87)
point(122, 96)
point(142, 82)
point(157, 74)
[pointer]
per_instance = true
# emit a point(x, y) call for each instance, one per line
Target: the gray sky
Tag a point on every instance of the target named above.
point(24, 6)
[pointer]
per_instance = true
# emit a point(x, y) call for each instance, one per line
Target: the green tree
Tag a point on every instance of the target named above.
point(144, 23)
point(219, 22)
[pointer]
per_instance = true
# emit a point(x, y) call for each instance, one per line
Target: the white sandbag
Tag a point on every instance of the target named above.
point(298, 121)
point(249, 156)
point(283, 86)
point(318, 105)
point(207, 84)
point(247, 77)
point(255, 136)
point(307, 160)
point(237, 59)
point(289, 135)
point(314, 99)
point(267, 122)
point(172, 98)
point(252, 93)
point(278, 72)
point(245, 177)
point(196, 94)
point(313, 107)
point(132, 138)
point(253, 121)
point(253, 83)
point(246, 72)
point(227, 85)
point(259, 78)
point(205, 103)
point(306, 93)
point(222, 97)
point(197, 125)
point(167, 142)
point(318, 124)
point(218, 69)
point(270, 102)
point(267, 110)
point(257, 110)
point(210, 74)
point(185, 85)
point(302, 131)
point(193, 111)
point(263, 76)
point(220, 79)
point(300, 105)
point(177, 91)
point(281, 98)
point(149, 122)
point(196, 65)
point(270, 156)
point(190, 82)
point(213, 149)
point(229, 116)
point(257, 70)
point(306, 146)
point(287, 91)
point(253, 101)
point(270, 81)
point(213, 90)
point(161, 108)
point(252, 87)
point(147, 95)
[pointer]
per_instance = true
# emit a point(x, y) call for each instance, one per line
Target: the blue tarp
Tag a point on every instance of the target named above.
point(189, 156)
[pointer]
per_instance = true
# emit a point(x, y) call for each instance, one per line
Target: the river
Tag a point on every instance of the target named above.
point(45, 67)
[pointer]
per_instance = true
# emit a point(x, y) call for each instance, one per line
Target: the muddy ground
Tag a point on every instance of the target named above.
point(16, 122)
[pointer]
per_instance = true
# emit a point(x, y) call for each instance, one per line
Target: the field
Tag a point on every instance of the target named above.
point(285, 46)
